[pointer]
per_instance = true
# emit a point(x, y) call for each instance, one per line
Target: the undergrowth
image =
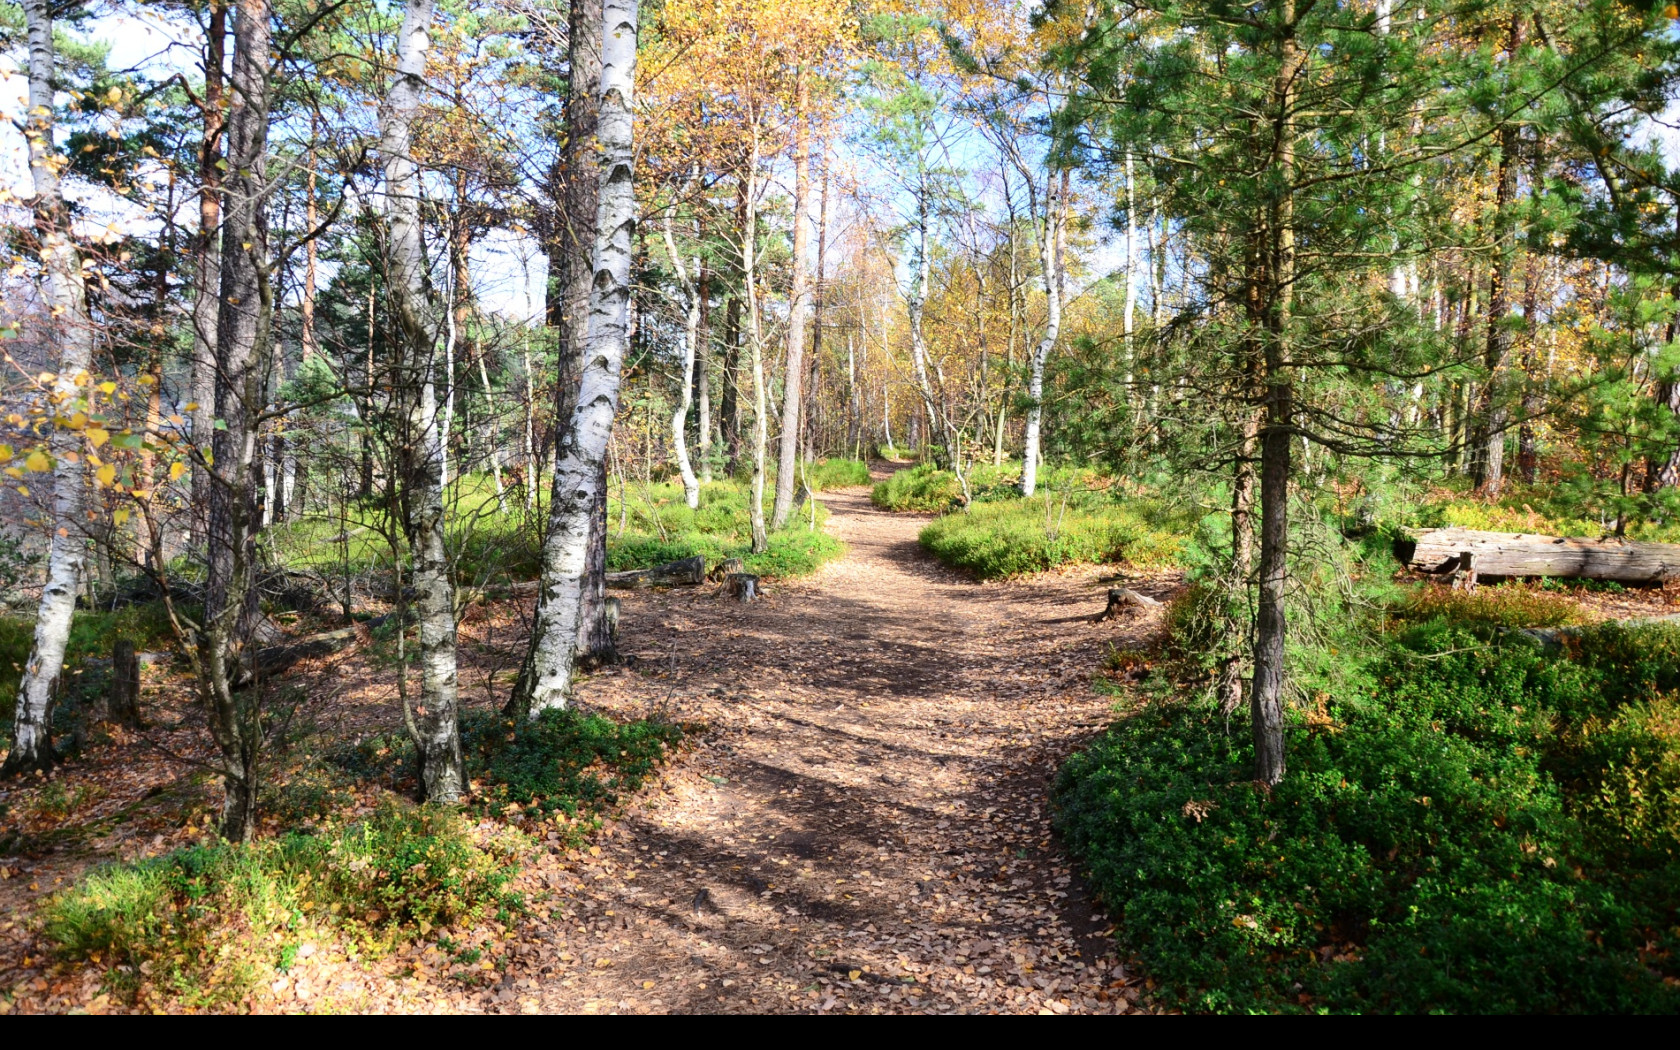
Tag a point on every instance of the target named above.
point(1470, 823)
point(650, 524)
point(1004, 539)
point(205, 925)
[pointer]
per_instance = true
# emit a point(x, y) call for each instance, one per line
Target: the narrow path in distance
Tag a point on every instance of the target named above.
point(866, 827)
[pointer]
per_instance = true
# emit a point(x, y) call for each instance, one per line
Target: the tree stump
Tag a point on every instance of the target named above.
point(1121, 599)
point(1464, 574)
point(742, 586)
point(727, 568)
point(122, 702)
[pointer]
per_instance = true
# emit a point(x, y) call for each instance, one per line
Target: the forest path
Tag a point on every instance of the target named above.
point(866, 825)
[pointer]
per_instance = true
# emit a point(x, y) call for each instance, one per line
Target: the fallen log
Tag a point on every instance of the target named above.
point(1469, 553)
point(687, 572)
point(271, 660)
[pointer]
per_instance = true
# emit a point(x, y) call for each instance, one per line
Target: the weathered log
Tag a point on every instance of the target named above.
point(676, 574)
point(122, 701)
point(1122, 599)
point(726, 568)
point(742, 586)
point(1470, 553)
point(271, 660)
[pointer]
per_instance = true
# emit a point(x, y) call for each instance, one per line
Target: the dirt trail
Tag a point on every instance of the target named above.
point(866, 827)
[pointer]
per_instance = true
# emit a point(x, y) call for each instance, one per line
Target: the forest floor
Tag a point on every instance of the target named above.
point(859, 821)
point(865, 826)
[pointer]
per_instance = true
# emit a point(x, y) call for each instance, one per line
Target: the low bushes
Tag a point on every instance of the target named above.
point(1003, 539)
point(209, 923)
point(653, 525)
point(561, 761)
point(1468, 826)
point(827, 474)
point(921, 488)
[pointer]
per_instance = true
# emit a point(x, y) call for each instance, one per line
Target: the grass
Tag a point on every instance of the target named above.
point(1002, 540)
point(561, 763)
point(653, 525)
point(825, 475)
point(1469, 824)
point(1074, 517)
point(92, 634)
point(206, 925)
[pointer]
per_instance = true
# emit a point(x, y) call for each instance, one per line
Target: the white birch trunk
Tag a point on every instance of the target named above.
point(72, 331)
point(434, 719)
point(679, 418)
point(761, 407)
point(1049, 244)
point(578, 473)
point(799, 311)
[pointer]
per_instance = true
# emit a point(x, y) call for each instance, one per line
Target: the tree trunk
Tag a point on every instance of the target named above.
point(242, 367)
point(579, 473)
point(72, 331)
point(685, 381)
point(761, 407)
point(122, 701)
point(208, 266)
point(1441, 552)
point(1266, 703)
point(1487, 465)
point(703, 372)
point(799, 308)
point(434, 720)
point(1049, 244)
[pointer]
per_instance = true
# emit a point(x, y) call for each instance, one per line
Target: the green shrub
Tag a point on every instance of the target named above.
point(921, 488)
point(1510, 605)
point(826, 474)
point(1473, 828)
point(1001, 540)
point(561, 761)
point(659, 527)
point(209, 923)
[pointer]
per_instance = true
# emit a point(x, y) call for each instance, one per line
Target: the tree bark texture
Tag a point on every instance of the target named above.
point(437, 739)
point(1487, 464)
point(799, 311)
point(72, 332)
point(242, 349)
point(1441, 551)
point(1266, 701)
point(685, 381)
point(208, 263)
point(579, 479)
point(1049, 254)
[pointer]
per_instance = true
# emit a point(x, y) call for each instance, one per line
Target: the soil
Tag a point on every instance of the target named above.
point(867, 826)
point(860, 824)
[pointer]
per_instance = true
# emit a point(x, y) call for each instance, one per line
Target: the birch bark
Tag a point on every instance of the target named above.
point(685, 400)
point(421, 454)
point(72, 331)
point(579, 471)
point(799, 310)
point(1050, 257)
